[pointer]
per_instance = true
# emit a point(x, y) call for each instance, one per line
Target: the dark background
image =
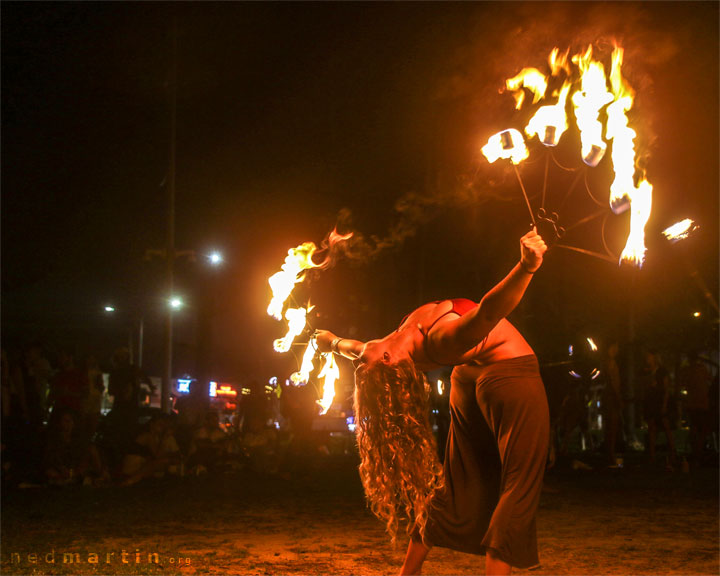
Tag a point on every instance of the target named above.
point(288, 114)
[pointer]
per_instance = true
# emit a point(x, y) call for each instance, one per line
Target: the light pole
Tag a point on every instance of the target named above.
point(111, 310)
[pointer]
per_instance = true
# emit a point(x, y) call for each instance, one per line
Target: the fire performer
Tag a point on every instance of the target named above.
point(485, 497)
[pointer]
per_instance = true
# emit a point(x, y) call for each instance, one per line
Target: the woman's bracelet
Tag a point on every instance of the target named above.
point(334, 345)
point(524, 267)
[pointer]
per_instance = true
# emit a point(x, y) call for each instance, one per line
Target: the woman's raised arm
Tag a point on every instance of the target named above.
point(329, 342)
point(448, 341)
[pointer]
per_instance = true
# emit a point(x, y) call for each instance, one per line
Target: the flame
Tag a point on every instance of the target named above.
point(679, 230)
point(640, 206)
point(559, 61)
point(330, 373)
point(282, 283)
point(303, 375)
point(530, 78)
point(549, 122)
point(588, 102)
point(623, 149)
point(506, 144)
point(296, 318)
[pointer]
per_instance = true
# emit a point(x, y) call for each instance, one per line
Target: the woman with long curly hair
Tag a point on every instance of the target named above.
point(484, 498)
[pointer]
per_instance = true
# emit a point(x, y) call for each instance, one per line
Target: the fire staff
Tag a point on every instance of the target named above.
point(484, 499)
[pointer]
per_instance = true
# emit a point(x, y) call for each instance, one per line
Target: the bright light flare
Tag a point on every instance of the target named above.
point(530, 78)
point(175, 303)
point(330, 375)
point(508, 144)
point(440, 387)
point(679, 230)
point(592, 344)
point(215, 258)
point(296, 318)
point(109, 308)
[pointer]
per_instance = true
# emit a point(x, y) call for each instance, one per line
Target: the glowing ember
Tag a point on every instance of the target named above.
point(330, 373)
point(506, 144)
point(588, 102)
point(282, 283)
point(296, 324)
point(530, 78)
point(634, 251)
point(679, 230)
point(549, 122)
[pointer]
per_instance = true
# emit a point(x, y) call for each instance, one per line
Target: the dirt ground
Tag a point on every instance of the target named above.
point(635, 520)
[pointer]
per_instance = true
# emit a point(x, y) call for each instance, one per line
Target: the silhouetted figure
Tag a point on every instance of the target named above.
point(191, 409)
point(93, 402)
point(611, 402)
point(657, 405)
point(124, 384)
point(68, 457)
point(209, 444)
point(69, 387)
point(696, 379)
point(153, 452)
point(38, 376)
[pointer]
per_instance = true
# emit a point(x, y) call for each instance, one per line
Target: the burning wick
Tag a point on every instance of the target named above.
point(509, 144)
point(679, 230)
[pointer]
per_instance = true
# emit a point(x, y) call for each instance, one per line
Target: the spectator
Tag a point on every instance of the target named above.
point(96, 391)
point(124, 385)
point(69, 388)
point(68, 458)
point(153, 452)
point(657, 405)
point(191, 410)
point(611, 402)
point(37, 385)
point(695, 379)
point(210, 442)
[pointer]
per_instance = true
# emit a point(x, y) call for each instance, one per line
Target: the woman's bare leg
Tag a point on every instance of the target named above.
point(414, 558)
point(494, 566)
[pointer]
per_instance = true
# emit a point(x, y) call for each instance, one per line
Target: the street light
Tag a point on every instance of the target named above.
point(215, 258)
point(176, 303)
point(110, 309)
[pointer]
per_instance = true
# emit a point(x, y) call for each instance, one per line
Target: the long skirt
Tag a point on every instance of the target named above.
point(494, 462)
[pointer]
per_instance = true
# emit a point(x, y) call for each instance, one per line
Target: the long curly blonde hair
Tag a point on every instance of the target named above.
point(399, 466)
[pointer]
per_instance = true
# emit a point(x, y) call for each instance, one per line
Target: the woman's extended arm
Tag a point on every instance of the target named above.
point(329, 342)
point(448, 340)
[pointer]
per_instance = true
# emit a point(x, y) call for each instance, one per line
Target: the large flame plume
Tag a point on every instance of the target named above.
point(282, 283)
point(594, 96)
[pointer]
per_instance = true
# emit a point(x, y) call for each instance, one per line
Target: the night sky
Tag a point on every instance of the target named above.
point(295, 117)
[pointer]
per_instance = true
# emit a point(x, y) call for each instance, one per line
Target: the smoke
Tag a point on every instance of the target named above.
point(410, 212)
